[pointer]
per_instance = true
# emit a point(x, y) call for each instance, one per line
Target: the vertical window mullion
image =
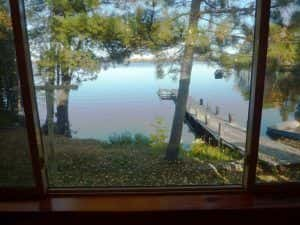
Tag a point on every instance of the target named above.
point(257, 91)
point(28, 95)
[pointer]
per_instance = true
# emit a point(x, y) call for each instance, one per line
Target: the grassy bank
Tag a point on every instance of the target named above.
point(92, 163)
point(127, 160)
point(15, 165)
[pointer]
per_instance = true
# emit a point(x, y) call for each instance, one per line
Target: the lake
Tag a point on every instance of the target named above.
point(125, 98)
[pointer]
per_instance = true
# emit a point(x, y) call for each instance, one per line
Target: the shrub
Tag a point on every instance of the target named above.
point(140, 139)
point(127, 138)
point(205, 152)
point(159, 137)
point(9, 119)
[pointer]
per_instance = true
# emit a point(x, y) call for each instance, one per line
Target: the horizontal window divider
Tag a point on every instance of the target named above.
point(77, 191)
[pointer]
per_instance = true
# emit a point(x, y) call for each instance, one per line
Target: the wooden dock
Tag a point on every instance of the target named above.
point(231, 134)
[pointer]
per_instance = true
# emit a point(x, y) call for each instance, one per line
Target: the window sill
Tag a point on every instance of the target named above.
point(151, 203)
point(210, 209)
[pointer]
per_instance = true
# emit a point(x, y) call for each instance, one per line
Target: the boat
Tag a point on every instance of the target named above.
point(219, 74)
point(287, 129)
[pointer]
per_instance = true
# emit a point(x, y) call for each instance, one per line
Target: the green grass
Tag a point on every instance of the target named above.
point(127, 138)
point(15, 165)
point(267, 173)
point(8, 119)
point(92, 163)
point(124, 161)
point(205, 152)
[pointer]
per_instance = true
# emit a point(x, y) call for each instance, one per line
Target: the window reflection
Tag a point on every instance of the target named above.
point(15, 166)
point(280, 130)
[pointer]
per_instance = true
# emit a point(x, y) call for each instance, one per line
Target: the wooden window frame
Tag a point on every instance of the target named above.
point(24, 69)
point(249, 185)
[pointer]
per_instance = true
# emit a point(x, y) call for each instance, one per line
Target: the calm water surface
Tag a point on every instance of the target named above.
point(125, 98)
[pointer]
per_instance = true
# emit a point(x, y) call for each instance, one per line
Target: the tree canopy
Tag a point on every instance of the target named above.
point(8, 73)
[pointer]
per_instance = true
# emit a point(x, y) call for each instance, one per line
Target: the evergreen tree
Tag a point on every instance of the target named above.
point(9, 91)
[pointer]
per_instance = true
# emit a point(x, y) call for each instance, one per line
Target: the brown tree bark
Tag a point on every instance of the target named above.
point(62, 109)
point(184, 83)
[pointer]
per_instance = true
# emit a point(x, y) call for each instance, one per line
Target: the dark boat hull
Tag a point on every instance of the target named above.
point(276, 133)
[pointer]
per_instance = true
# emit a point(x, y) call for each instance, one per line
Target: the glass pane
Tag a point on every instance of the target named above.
point(109, 74)
point(15, 164)
point(279, 151)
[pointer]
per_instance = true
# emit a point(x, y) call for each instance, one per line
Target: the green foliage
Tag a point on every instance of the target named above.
point(205, 152)
point(202, 42)
point(65, 47)
point(121, 139)
point(140, 139)
point(223, 31)
point(74, 6)
point(237, 61)
point(8, 119)
point(127, 139)
point(282, 49)
point(9, 93)
point(159, 137)
point(80, 28)
point(76, 30)
point(5, 23)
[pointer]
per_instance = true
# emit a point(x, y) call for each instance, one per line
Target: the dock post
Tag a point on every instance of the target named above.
point(198, 115)
point(229, 117)
point(219, 132)
point(217, 110)
point(201, 101)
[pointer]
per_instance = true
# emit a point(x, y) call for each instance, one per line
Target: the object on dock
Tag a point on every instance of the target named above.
point(201, 101)
point(219, 129)
point(297, 113)
point(206, 120)
point(229, 117)
point(297, 116)
point(217, 110)
point(220, 135)
point(219, 74)
point(288, 129)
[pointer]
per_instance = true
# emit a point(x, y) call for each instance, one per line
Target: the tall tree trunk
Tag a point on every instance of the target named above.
point(2, 93)
point(62, 110)
point(50, 118)
point(12, 93)
point(48, 126)
point(184, 83)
